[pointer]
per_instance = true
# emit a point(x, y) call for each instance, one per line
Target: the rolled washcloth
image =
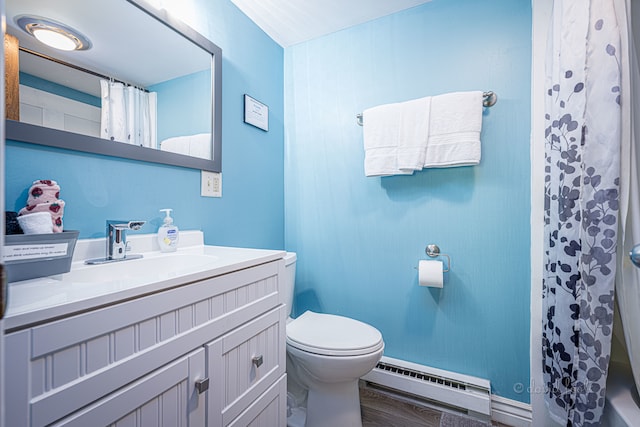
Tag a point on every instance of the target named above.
point(55, 209)
point(43, 191)
point(44, 196)
point(36, 223)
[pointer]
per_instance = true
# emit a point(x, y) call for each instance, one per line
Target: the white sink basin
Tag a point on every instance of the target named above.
point(155, 267)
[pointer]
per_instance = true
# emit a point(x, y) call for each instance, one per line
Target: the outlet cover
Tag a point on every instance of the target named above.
point(211, 185)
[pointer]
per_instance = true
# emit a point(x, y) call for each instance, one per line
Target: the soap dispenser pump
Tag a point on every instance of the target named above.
point(168, 233)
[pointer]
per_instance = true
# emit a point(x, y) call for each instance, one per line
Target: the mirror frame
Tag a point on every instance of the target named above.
point(24, 132)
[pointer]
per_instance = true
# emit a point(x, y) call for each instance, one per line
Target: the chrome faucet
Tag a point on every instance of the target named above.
point(117, 238)
point(117, 242)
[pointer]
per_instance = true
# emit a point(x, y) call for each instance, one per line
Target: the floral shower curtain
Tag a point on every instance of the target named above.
point(582, 172)
point(627, 275)
point(128, 114)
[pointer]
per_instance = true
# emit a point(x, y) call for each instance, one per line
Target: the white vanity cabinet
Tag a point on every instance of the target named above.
point(141, 361)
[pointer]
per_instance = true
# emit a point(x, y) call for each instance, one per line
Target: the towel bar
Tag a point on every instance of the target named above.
point(489, 99)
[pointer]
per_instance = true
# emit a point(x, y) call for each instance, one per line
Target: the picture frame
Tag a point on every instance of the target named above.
point(256, 113)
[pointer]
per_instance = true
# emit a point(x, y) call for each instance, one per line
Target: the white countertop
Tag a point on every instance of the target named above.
point(87, 286)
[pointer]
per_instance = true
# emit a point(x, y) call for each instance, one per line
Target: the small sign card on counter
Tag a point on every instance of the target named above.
point(36, 251)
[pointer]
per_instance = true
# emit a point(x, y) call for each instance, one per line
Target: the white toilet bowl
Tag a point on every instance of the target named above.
point(327, 355)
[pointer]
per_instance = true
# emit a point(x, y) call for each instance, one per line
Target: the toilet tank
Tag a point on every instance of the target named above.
point(289, 280)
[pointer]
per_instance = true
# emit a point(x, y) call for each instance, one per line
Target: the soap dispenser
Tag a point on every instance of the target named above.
point(168, 233)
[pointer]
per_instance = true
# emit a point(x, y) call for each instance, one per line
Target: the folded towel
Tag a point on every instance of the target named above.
point(177, 144)
point(454, 130)
point(198, 145)
point(55, 209)
point(395, 137)
point(43, 191)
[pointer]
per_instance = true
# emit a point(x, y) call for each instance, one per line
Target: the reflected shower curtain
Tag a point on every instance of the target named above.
point(128, 114)
point(582, 169)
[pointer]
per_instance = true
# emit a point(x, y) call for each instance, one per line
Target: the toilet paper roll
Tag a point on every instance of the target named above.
point(430, 273)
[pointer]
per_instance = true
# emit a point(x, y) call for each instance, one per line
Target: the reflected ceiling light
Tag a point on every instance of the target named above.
point(53, 34)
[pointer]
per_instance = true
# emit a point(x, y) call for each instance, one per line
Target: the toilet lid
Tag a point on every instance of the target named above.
point(333, 335)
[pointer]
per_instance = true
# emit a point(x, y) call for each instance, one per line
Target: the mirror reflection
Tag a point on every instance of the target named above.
point(139, 82)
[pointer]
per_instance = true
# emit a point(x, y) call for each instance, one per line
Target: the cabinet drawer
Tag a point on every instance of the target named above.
point(243, 364)
point(164, 397)
point(61, 366)
point(269, 410)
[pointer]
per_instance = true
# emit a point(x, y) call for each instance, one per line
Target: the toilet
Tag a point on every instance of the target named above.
point(326, 356)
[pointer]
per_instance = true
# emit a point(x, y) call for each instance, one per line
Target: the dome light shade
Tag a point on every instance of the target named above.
point(54, 39)
point(53, 34)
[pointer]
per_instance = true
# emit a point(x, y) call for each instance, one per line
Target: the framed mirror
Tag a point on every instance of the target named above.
point(148, 88)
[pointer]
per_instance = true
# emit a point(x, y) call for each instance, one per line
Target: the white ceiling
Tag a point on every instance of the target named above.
point(130, 54)
point(290, 22)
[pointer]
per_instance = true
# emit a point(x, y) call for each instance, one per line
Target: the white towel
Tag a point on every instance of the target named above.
point(198, 145)
point(413, 131)
point(454, 130)
point(395, 137)
point(201, 146)
point(176, 144)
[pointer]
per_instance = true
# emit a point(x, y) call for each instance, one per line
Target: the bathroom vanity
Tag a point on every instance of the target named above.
point(193, 343)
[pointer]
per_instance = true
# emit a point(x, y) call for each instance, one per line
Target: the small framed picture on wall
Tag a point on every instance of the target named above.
point(256, 113)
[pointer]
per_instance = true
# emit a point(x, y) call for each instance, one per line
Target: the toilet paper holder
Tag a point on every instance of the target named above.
point(434, 251)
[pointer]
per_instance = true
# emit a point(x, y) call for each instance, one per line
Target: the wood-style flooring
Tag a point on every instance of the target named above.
point(382, 408)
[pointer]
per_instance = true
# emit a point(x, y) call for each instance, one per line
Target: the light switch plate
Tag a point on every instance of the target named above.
point(211, 185)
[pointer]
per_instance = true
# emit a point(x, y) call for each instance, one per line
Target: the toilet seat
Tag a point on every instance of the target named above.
point(332, 335)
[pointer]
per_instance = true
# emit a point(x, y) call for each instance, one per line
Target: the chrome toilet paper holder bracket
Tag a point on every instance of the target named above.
point(434, 251)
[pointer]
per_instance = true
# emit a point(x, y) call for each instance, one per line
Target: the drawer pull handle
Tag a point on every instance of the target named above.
point(257, 360)
point(202, 385)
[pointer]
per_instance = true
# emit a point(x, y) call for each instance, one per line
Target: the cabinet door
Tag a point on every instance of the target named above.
point(244, 364)
point(167, 396)
point(269, 410)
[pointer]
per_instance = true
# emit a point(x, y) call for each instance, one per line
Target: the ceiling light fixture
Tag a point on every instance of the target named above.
point(52, 33)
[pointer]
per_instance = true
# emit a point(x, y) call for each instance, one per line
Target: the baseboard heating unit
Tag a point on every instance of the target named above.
point(461, 391)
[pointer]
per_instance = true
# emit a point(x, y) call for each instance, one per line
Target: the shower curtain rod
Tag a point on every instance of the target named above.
point(489, 99)
point(77, 67)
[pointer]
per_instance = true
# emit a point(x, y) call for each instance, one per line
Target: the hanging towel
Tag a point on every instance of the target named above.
point(454, 130)
point(395, 137)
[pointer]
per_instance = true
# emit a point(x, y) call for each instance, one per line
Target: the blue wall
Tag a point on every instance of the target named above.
point(184, 107)
point(358, 239)
point(250, 213)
